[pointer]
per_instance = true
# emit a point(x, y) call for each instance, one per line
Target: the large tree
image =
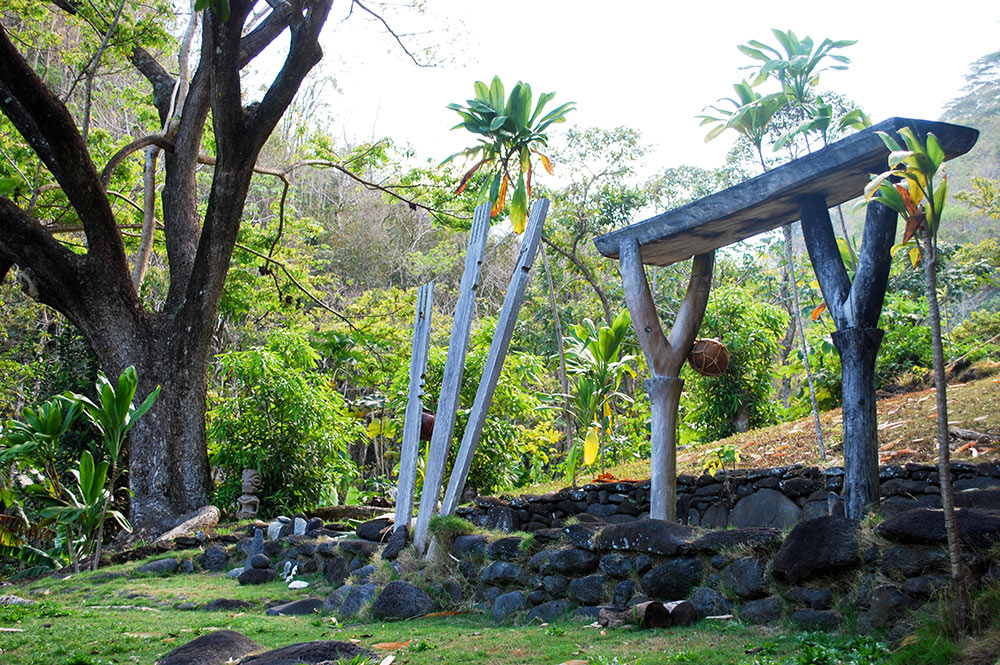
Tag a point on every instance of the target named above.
point(93, 288)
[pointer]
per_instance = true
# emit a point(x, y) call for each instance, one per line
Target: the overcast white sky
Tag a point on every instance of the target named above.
point(652, 65)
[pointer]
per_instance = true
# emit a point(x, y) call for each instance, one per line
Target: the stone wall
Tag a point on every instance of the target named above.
point(776, 497)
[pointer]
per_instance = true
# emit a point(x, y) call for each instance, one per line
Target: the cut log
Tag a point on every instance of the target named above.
point(972, 435)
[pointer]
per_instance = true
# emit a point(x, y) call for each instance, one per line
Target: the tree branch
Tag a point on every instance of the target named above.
point(392, 32)
point(825, 255)
point(134, 146)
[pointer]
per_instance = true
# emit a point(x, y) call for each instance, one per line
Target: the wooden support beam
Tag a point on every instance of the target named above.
point(498, 352)
point(665, 357)
point(414, 405)
point(855, 308)
point(454, 367)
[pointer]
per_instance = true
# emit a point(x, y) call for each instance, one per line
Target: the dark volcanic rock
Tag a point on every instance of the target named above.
point(509, 603)
point(582, 534)
point(336, 570)
point(810, 619)
point(650, 536)
point(549, 611)
point(573, 561)
point(765, 507)
point(395, 544)
point(469, 546)
point(978, 528)
point(213, 558)
point(716, 541)
point(256, 576)
point(260, 561)
point(555, 585)
point(817, 599)
point(401, 600)
point(817, 547)
point(887, 604)
point(159, 567)
point(212, 649)
point(375, 530)
point(587, 590)
point(335, 600)
point(357, 598)
point(616, 565)
point(225, 605)
point(674, 579)
point(297, 607)
point(709, 602)
point(765, 610)
point(359, 547)
point(623, 592)
point(309, 653)
point(747, 578)
point(504, 549)
point(502, 572)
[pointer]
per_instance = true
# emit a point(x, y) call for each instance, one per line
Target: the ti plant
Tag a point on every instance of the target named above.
point(919, 199)
point(750, 116)
point(510, 133)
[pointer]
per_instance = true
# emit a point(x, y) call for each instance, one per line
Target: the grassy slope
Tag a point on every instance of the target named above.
point(114, 617)
point(907, 431)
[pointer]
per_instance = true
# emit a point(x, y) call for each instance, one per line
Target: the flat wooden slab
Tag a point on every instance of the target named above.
point(839, 171)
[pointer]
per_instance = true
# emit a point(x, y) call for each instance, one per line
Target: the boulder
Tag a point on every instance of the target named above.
point(256, 576)
point(709, 602)
point(673, 579)
point(624, 591)
point(215, 648)
point(509, 603)
point(159, 567)
point(258, 561)
point(297, 607)
point(649, 536)
point(363, 548)
point(765, 610)
point(811, 619)
point(815, 548)
point(587, 590)
point(336, 570)
point(395, 544)
point(582, 534)
point(549, 611)
point(817, 599)
point(311, 653)
point(226, 605)
point(401, 600)
point(472, 546)
point(202, 519)
point(504, 549)
point(747, 577)
point(977, 528)
point(333, 602)
point(555, 585)
point(765, 507)
point(616, 565)
point(375, 530)
point(752, 537)
point(8, 600)
point(214, 559)
point(502, 572)
point(358, 596)
point(887, 604)
point(573, 561)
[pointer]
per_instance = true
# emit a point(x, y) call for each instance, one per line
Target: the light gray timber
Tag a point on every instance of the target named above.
point(414, 405)
point(498, 352)
point(454, 367)
point(665, 356)
point(838, 172)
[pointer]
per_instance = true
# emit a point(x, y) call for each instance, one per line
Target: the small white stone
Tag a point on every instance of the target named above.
point(297, 584)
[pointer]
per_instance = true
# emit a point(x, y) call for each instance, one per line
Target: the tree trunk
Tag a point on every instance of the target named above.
point(858, 348)
point(929, 251)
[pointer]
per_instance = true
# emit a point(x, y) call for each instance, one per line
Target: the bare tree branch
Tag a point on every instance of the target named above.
point(392, 32)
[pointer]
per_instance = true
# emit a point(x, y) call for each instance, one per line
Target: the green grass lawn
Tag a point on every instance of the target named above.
point(113, 616)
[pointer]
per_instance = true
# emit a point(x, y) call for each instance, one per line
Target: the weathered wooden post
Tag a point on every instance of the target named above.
point(414, 406)
point(855, 308)
point(665, 358)
point(498, 352)
point(454, 367)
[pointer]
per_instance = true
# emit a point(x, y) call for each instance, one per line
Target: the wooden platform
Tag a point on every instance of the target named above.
point(839, 171)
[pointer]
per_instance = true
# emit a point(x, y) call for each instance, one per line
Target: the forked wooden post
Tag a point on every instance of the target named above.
point(855, 309)
point(665, 357)
point(414, 405)
point(494, 361)
point(454, 367)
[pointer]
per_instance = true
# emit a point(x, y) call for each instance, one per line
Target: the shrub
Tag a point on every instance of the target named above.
point(278, 415)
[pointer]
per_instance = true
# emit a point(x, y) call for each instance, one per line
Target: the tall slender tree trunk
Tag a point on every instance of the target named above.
point(563, 378)
point(929, 253)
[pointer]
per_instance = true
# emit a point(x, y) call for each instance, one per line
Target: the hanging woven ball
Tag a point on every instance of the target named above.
point(708, 357)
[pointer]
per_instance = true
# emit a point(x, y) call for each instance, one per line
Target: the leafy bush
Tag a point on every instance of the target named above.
point(278, 415)
point(751, 331)
point(907, 341)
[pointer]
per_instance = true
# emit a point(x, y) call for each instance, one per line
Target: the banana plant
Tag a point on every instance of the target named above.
point(510, 133)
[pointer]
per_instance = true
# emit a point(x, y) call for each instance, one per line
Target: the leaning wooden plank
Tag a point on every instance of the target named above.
point(839, 172)
point(454, 367)
point(414, 405)
point(498, 351)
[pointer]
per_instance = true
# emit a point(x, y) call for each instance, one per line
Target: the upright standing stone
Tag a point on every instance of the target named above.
point(256, 546)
